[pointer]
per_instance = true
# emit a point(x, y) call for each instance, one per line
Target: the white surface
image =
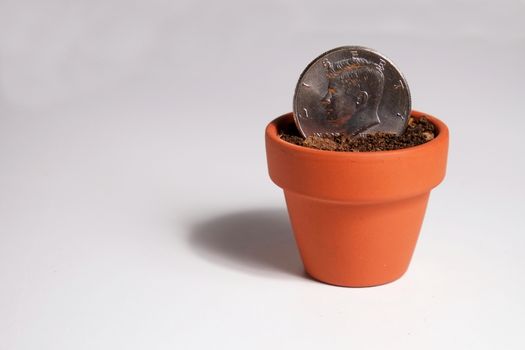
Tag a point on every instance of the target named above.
point(135, 207)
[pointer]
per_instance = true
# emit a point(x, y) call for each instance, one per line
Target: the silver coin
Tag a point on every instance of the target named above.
point(350, 91)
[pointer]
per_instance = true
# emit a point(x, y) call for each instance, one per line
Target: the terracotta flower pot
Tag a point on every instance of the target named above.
point(356, 216)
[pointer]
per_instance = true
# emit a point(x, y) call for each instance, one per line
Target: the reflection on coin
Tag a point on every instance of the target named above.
point(351, 90)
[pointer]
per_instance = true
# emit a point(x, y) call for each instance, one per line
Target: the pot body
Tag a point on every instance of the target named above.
point(356, 217)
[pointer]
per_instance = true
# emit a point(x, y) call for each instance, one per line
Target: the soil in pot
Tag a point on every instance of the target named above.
point(418, 131)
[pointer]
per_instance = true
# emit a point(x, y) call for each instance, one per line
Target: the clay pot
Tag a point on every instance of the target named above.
point(356, 216)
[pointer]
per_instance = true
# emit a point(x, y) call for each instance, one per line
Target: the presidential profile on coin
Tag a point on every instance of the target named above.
point(351, 91)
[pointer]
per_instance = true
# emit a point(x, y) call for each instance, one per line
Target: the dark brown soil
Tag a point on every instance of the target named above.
point(418, 131)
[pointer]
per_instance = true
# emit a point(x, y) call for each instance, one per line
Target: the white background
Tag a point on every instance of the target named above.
point(135, 207)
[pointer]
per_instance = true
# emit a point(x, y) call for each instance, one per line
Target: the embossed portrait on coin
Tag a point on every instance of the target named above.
point(353, 96)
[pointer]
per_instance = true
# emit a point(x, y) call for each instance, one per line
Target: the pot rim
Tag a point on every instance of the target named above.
point(442, 136)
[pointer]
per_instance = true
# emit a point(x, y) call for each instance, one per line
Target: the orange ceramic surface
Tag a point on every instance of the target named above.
point(356, 216)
